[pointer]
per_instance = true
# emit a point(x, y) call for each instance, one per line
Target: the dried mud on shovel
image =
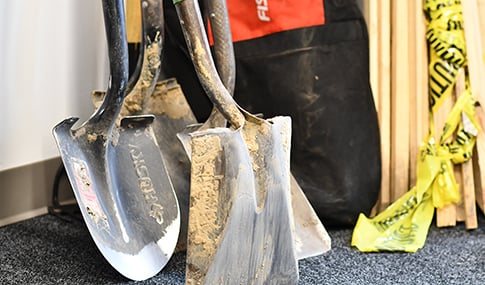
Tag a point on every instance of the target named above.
point(311, 238)
point(240, 217)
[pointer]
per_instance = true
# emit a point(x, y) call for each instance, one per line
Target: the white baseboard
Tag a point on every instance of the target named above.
point(23, 216)
point(29, 214)
point(26, 192)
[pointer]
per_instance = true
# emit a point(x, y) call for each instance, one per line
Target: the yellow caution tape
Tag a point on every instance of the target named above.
point(404, 225)
point(447, 47)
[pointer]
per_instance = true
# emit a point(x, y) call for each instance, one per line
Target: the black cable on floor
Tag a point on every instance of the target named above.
point(66, 212)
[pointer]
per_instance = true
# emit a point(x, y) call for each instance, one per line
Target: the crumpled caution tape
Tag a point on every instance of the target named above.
point(404, 225)
point(446, 39)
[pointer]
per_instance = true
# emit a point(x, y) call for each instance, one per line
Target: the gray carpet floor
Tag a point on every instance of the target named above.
point(48, 250)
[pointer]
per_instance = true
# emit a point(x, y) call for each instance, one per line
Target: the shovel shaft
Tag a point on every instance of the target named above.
point(223, 49)
point(198, 46)
point(144, 78)
point(151, 35)
point(118, 48)
point(118, 62)
point(223, 54)
point(152, 19)
point(152, 23)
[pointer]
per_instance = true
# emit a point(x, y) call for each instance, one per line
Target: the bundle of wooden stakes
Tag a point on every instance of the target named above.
point(400, 84)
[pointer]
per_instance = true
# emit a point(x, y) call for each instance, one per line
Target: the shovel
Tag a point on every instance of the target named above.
point(173, 117)
point(311, 238)
point(166, 102)
point(117, 172)
point(240, 215)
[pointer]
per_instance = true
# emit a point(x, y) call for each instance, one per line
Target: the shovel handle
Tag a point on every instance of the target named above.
point(223, 48)
point(151, 30)
point(198, 46)
point(114, 17)
point(223, 54)
point(153, 34)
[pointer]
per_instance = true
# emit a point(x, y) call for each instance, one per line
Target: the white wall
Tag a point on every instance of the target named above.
point(52, 55)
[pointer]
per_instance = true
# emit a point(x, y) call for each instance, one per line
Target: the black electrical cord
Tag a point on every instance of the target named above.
point(66, 212)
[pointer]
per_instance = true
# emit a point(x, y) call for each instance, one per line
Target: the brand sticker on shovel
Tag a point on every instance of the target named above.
point(88, 196)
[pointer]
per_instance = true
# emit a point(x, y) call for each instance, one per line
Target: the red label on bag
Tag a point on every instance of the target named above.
point(251, 19)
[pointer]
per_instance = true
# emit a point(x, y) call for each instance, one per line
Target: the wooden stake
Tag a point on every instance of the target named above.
point(479, 160)
point(371, 15)
point(481, 17)
point(400, 90)
point(413, 88)
point(468, 184)
point(457, 169)
point(460, 206)
point(468, 197)
point(446, 216)
point(385, 98)
point(378, 18)
point(476, 72)
point(419, 98)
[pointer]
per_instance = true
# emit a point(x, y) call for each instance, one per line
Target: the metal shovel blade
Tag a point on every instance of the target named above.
point(240, 217)
point(172, 114)
point(240, 220)
point(117, 175)
point(166, 102)
point(132, 223)
point(311, 238)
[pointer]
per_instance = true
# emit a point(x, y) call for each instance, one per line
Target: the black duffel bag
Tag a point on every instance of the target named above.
point(318, 75)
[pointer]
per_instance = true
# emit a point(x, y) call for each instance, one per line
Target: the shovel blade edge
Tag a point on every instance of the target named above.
point(90, 167)
point(310, 236)
point(233, 239)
